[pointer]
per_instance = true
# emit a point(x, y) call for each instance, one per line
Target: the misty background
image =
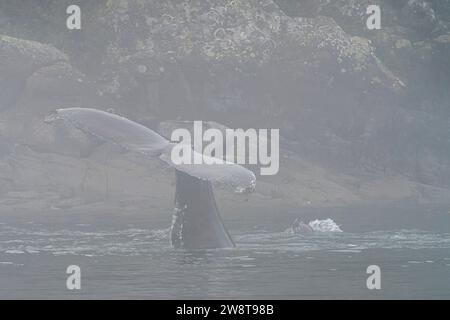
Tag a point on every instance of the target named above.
point(363, 114)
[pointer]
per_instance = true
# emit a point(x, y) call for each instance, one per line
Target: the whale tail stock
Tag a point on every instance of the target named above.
point(196, 222)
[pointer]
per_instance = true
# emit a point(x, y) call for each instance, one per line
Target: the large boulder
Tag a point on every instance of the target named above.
point(19, 59)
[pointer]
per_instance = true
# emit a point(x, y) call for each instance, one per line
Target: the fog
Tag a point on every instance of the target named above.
point(363, 114)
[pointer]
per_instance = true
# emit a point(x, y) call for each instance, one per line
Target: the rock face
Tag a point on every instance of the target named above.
point(19, 59)
point(358, 109)
point(215, 55)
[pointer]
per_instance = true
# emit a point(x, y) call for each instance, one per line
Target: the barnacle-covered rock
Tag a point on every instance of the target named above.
point(419, 15)
point(179, 44)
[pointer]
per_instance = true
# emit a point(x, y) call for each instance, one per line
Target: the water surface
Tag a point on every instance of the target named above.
point(131, 257)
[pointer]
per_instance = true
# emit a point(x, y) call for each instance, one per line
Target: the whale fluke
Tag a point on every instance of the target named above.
point(225, 173)
point(113, 128)
point(138, 138)
point(196, 222)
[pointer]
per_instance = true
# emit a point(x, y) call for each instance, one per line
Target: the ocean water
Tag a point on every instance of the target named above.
point(131, 257)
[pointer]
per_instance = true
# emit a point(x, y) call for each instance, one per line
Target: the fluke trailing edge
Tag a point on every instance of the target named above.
point(196, 223)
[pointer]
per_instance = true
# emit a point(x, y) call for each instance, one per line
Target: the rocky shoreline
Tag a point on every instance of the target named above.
point(363, 115)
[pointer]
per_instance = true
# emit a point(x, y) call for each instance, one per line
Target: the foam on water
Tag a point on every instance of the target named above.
point(327, 225)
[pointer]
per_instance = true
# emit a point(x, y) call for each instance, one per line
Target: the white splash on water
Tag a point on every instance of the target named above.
point(327, 225)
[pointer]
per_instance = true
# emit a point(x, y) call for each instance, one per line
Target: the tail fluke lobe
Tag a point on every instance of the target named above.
point(113, 128)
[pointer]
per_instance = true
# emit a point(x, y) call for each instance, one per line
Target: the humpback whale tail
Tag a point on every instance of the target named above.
point(196, 222)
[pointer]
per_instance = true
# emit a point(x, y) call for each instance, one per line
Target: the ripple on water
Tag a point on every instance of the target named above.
point(37, 239)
